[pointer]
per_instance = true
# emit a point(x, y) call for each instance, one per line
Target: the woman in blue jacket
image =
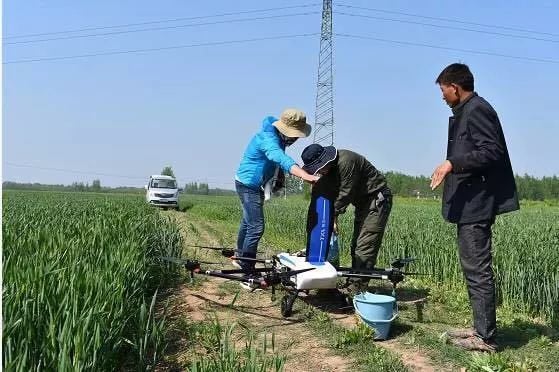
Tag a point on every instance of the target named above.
point(263, 155)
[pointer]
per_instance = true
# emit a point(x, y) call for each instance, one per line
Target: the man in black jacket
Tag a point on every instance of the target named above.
point(478, 185)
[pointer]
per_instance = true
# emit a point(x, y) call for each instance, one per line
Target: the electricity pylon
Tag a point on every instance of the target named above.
point(324, 112)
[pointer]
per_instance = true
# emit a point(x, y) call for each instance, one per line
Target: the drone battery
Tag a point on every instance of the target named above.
point(323, 276)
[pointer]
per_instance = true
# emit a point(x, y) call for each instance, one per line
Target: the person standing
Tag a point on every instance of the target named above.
point(263, 158)
point(478, 185)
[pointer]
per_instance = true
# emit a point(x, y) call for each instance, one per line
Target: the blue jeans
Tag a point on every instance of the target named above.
point(252, 223)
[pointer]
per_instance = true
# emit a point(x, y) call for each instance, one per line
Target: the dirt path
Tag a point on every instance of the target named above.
point(415, 360)
point(304, 350)
point(213, 297)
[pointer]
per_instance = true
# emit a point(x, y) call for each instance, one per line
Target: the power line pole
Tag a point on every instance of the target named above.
point(324, 112)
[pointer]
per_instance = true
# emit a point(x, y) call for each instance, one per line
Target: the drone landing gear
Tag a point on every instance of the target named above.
point(287, 304)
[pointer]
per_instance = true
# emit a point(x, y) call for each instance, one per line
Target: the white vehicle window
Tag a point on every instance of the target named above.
point(163, 184)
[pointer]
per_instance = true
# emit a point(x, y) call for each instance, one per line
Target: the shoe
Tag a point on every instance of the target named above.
point(251, 283)
point(474, 343)
point(461, 333)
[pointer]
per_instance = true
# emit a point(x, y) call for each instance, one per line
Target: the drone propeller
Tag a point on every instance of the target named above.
point(207, 247)
point(225, 251)
point(222, 249)
point(180, 261)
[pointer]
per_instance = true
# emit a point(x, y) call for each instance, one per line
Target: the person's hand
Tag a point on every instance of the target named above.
point(335, 227)
point(299, 172)
point(440, 173)
point(311, 178)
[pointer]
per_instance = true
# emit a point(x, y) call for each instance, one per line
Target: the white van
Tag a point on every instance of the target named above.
point(162, 191)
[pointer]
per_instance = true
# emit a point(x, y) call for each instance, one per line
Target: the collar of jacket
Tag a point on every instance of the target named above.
point(458, 108)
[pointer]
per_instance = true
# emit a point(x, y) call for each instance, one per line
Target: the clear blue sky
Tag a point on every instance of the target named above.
point(196, 108)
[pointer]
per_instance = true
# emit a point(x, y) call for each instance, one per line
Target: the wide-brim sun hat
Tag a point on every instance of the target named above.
point(293, 123)
point(315, 157)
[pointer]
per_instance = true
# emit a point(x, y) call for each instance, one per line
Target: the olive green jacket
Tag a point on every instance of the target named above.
point(351, 180)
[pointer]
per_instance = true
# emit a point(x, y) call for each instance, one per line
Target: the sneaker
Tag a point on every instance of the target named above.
point(249, 284)
point(474, 343)
point(461, 333)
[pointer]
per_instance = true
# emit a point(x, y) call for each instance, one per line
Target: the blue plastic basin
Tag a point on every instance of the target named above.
point(377, 311)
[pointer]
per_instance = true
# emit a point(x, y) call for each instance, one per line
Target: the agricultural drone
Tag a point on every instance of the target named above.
point(298, 272)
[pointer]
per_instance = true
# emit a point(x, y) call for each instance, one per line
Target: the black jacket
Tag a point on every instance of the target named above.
point(481, 184)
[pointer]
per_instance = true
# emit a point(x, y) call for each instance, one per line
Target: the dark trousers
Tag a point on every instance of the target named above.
point(252, 223)
point(474, 247)
point(368, 230)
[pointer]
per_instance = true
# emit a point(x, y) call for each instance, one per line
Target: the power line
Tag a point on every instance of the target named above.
point(448, 48)
point(229, 42)
point(449, 27)
point(448, 20)
point(211, 180)
point(213, 43)
point(162, 28)
point(162, 21)
point(72, 171)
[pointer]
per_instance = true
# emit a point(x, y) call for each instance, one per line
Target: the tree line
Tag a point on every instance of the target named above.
point(95, 186)
point(529, 187)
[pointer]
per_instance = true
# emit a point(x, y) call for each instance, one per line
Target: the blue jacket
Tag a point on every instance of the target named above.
point(264, 152)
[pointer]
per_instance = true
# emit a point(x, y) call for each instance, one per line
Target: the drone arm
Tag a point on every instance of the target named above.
point(220, 274)
point(393, 275)
point(362, 275)
point(257, 260)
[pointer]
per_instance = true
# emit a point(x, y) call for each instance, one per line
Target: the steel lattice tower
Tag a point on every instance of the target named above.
point(324, 113)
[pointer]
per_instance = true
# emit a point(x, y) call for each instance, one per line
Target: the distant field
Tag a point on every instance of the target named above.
point(78, 280)
point(526, 244)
